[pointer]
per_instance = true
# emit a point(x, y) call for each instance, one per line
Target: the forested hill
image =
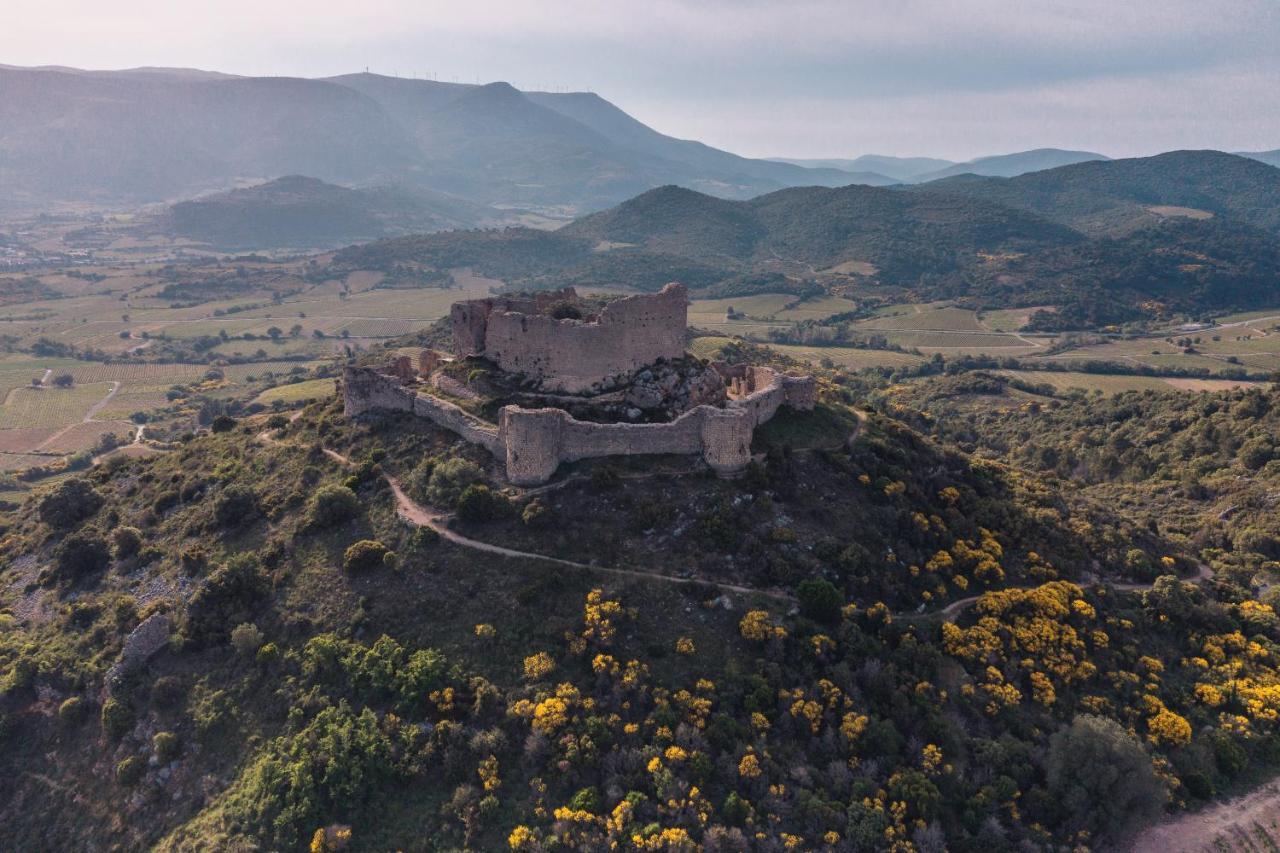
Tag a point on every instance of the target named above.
point(1108, 242)
point(297, 211)
point(1119, 196)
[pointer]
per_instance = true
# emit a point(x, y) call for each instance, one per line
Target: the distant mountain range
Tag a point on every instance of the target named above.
point(154, 134)
point(1105, 240)
point(914, 170)
point(1271, 158)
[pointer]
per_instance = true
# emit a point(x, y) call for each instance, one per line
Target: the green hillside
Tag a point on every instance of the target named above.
point(709, 661)
point(1116, 196)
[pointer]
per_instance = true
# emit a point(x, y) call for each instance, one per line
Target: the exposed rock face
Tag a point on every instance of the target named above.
point(143, 641)
point(673, 389)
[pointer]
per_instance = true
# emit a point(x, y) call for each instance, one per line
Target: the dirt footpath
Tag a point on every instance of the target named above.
point(1246, 824)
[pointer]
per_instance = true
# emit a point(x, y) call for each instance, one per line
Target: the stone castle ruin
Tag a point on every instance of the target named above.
point(627, 359)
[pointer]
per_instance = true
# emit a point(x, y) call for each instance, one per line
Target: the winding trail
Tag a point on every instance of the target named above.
point(1203, 573)
point(420, 516)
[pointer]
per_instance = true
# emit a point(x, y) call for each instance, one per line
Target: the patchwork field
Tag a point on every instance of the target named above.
point(755, 315)
point(850, 357)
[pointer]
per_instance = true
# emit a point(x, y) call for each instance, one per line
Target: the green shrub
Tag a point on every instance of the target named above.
point(166, 746)
point(167, 692)
point(82, 554)
point(587, 800)
point(70, 503)
point(479, 503)
point(1102, 776)
point(126, 541)
point(277, 422)
point(819, 600)
point(223, 423)
point(129, 771)
point(536, 514)
point(450, 478)
point(267, 655)
point(335, 768)
point(364, 556)
point(246, 639)
point(235, 505)
point(117, 718)
point(332, 506)
point(72, 711)
point(227, 597)
point(423, 538)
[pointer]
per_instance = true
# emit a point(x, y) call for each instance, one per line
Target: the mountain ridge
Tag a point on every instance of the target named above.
point(146, 135)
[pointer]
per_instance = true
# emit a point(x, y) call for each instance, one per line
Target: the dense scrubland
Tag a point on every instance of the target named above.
point(338, 676)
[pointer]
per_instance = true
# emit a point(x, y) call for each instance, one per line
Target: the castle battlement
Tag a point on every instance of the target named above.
point(582, 355)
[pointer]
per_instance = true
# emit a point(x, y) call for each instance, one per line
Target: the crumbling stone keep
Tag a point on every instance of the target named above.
point(716, 410)
point(573, 354)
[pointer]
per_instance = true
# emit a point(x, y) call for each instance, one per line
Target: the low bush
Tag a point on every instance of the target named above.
point(129, 771)
point(82, 554)
point(166, 746)
point(117, 718)
point(70, 503)
point(450, 479)
point(235, 505)
point(364, 556)
point(332, 506)
point(479, 503)
point(126, 541)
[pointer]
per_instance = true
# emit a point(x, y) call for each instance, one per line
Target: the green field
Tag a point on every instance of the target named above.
point(926, 318)
point(26, 408)
point(311, 389)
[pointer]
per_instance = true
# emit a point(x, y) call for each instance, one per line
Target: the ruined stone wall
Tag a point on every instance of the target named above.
point(534, 442)
point(539, 440)
point(574, 355)
point(470, 319)
point(364, 390)
point(453, 417)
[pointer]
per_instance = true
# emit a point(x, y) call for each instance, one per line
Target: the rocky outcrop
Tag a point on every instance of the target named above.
point(149, 637)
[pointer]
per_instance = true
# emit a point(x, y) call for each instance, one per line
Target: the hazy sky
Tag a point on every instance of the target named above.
point(951, 78)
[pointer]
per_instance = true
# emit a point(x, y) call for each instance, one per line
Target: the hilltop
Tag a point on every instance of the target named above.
point(297, 211)
point(655, 686)
point(1120, 196)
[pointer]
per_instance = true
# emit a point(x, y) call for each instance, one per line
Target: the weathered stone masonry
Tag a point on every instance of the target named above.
point(573, 355)
point(590, 357)
point(534, 442)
